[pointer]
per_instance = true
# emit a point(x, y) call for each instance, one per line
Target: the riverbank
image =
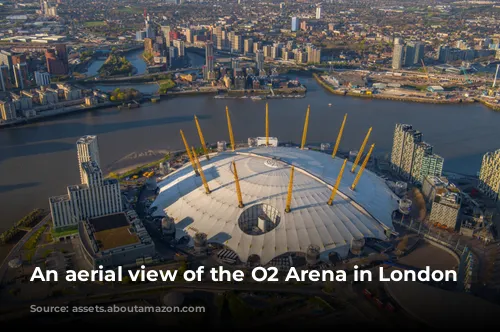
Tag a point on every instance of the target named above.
point(55, 113)
point(383, 96)
point(493, 106)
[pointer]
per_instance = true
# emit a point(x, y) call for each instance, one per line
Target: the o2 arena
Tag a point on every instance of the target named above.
point(266, 201)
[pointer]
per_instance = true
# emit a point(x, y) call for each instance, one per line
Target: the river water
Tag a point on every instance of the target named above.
point(39, 160)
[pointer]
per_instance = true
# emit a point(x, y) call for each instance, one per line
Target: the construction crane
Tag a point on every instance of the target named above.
point(425, 69)
point(491, 92)
point(465, 75)
point(496, 74)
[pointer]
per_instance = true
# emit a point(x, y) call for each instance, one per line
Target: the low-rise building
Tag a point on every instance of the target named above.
point(115, 240)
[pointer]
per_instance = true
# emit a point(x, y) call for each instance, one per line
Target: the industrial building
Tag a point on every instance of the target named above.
point(489, 175)
point(265, 202)
point(115, 240)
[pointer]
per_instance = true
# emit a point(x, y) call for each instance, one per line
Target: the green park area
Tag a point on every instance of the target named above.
point(92, 24)
point(165, 85)
point(64, 231)
point(116, 65)
point(122, 95)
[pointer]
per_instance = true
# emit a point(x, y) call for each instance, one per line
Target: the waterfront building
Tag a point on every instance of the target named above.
point(20, 70)
point(5, 79)
point(411, 157)
point(179, 44)
point(87, 149)
point(42, 78)
point(489, 175)
point(209, 73)
point(94, 197)
point(295, 24)
point(7, 110)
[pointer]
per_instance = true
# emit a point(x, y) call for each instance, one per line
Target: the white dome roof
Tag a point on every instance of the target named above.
point(365, 212)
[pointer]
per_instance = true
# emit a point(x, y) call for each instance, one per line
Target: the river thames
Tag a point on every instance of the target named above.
point(39, 160)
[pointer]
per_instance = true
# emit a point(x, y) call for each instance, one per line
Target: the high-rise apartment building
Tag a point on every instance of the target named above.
point(5, 79)
point(397, 54)
point(179, 44)
point(94, 197)
point(7, 110)
point(219, 38)
point(318, 13)
point(489, 175)
point(411, 157)
point(295, 24)
point(248, 46)
point(267, 51)
point(259, 59)
point(165, 30)
point(413, 53)
point(208, 70)
point(87, 150)
point(313, 54)
point(189, 35)
point(237, 45)
point(257, 46)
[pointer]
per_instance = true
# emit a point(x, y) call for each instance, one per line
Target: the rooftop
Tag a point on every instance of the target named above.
point(109, 221)
point(365, 212)
point(86, 139)
point(115, 237)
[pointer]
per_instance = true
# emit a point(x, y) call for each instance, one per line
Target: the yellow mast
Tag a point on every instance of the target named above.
point(306, 124)
point(230, 128)
point(267, 124)
point(337, 184)
point(202, 139)
point(188, 151)
point(290, 186)
point(238, 189)
point(339, 136)
point(202, 175)
point(360, 152)
point(358, 176)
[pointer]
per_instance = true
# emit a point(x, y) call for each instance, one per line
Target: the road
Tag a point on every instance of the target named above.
point(14, 252)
